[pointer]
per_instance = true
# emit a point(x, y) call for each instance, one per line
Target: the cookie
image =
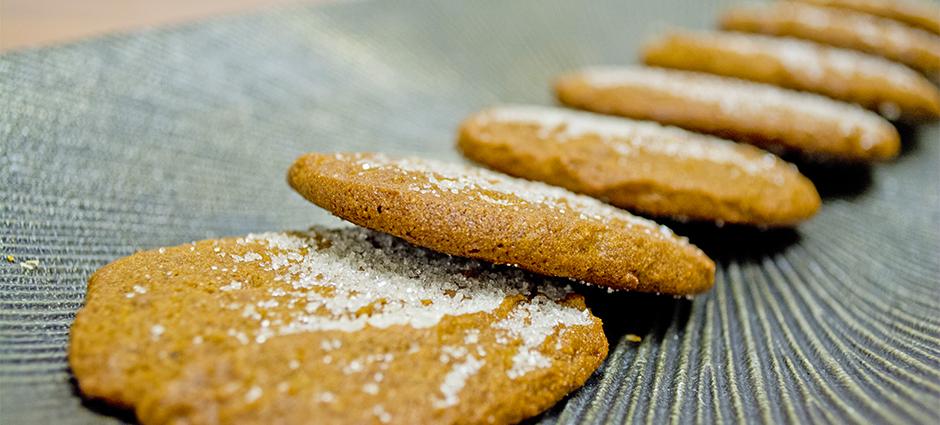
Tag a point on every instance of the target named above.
point(917, 13)
point(764, 115)
point(640, 166)
point(472, 212)
point(913, 47)
point(892, 89)
point(332, 326)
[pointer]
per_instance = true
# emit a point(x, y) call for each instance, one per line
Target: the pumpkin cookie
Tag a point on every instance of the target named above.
point(760, 114)
point(917, 13)
point(472, 212)
point(328, 326)
point(640, 166)
point(913, 47)
point(892, 89)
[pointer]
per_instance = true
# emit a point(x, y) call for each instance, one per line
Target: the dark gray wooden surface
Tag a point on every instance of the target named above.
point(162, 137)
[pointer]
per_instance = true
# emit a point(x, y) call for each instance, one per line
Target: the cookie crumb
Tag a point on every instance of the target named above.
point(28, 264)
point(10, 259)
point(634, 338)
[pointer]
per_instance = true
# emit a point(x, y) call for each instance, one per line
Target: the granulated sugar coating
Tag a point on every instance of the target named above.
point(344, 325)
point(733, 96)
point(890, 88)
point(472, 212)
point(627, 136)
point(737, 109)
point(916, 13)
point(815, 60)
point(461, 179)
point(892, 40)
point(640, 166)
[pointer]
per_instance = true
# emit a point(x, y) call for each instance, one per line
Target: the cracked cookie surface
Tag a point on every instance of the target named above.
point(328, 326)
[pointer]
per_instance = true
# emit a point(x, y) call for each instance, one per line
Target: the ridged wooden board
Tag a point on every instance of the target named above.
point(162, 137)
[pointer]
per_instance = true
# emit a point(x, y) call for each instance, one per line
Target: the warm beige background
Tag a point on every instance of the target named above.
point(29, 23)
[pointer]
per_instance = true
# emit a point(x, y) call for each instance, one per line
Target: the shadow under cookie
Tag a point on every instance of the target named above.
point(835, 180)
point(910, 143)
point(100, 406)
point(736, 242)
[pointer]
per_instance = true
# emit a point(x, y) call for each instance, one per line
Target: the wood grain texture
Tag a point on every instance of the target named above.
point(168, 136)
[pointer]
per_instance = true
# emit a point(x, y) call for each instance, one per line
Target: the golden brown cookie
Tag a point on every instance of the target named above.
point(640, 166)
point(892, 89)
point(472, 212)
point(342, 326)
point(760, 114)
point(913, 47)
point(917, 13)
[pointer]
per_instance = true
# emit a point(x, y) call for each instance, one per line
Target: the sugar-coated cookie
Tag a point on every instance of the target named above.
point(913, 47)
point(739, 110)
point(472, 212)
point(917, 13)
point(640, 166)
point(892, 89)
point(341, 326)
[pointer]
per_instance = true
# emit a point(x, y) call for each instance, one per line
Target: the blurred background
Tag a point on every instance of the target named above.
point(32, 23)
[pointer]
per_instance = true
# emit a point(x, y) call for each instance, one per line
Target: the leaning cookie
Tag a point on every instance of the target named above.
point(341, 326)
point(916, 13)
point(640, 166)
point(892, 89)
point(913, 47)
point(472, 212)
point(760, 114)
